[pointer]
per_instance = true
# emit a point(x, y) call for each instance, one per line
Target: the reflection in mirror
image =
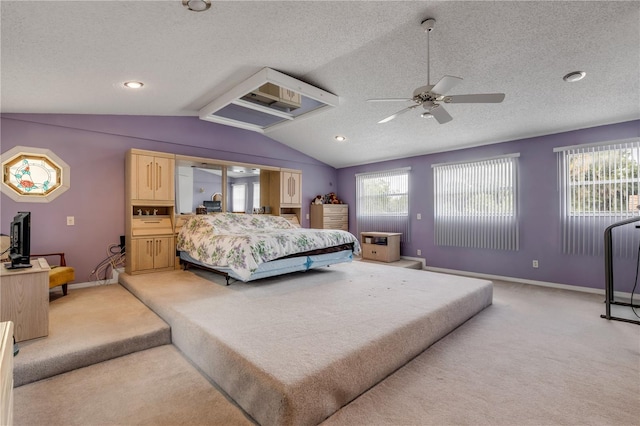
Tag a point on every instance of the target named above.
point(243, 189)
point(196, 186)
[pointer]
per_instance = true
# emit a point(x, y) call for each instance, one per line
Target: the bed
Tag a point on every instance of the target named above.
point(249, 247)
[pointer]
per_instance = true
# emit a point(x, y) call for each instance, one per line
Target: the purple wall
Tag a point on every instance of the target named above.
point(540, 225)
point(94, 147)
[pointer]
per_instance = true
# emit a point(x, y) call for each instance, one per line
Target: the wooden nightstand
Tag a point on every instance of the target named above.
point(380, 246)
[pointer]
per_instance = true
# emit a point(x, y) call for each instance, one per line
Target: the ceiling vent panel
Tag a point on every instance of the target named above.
point(267, 100)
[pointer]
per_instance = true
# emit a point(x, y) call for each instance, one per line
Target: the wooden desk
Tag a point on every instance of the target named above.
point(24, 299)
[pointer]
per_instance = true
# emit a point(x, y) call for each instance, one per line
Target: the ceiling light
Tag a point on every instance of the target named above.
point(133, 84)
point(574, 76)
point(197, 5)
point(426, 115)
point(340, 138)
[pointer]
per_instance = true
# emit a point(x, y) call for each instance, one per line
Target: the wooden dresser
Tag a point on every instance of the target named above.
point(329, 216)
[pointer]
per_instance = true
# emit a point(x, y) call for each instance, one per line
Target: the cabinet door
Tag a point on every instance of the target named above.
point(164, 187)
point(144, 177)
point(154, 178)
point(162, 252)
point(290, 188)
point(142, 249)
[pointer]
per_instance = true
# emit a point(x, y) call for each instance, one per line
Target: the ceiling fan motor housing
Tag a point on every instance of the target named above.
point(428, 24)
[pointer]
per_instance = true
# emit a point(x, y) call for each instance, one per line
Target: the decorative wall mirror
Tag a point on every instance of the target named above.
point(236, 186)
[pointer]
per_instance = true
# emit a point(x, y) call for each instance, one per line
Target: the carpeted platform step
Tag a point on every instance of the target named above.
point(110, 321)
point(156, 387)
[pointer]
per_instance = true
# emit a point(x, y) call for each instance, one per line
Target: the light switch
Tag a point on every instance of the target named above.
point(419, 216)
point(71, 220)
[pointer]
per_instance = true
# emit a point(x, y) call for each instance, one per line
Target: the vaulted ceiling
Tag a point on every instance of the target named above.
point(72, 57)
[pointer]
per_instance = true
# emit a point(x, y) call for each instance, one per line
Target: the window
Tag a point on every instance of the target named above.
point(238, 197)
point(598, 186)
point(475, 203)
point(256, 196)
point(33, 174)
point(382, 202)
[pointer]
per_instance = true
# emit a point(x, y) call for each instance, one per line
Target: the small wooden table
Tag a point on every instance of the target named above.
point(24, 299)
point(380, 246)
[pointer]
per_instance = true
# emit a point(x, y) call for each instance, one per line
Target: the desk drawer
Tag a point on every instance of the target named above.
point(151, 226)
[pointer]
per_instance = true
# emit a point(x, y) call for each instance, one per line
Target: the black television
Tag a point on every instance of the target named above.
point(20, 246)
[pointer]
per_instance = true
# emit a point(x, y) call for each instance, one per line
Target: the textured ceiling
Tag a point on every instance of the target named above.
point(72, 57)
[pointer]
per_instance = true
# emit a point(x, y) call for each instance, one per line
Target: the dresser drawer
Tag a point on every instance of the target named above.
point(337, 219)
point(335, 209)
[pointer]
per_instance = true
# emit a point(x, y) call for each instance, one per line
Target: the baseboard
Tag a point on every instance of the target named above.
point(112, 280)
point(416, 259)
point(525, 281)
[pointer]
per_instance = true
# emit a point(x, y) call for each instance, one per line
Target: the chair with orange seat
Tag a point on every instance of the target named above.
point(59, 275)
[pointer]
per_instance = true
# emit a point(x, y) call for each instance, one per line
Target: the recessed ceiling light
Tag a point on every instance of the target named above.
point(574, 76)
point(133, 84)
point(197, 5)
point(340, 138)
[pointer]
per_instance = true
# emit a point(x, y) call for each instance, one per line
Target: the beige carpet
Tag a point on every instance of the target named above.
point(294, 349)
point(154, 387)
point(537, 356)
point(110, 321)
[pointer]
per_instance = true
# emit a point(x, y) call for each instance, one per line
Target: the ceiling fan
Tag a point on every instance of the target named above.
point(431, 97)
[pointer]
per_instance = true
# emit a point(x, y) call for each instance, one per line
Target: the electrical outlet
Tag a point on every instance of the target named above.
point(535, 263)
point(419, 252)
point(307, 216)
point(71, 220)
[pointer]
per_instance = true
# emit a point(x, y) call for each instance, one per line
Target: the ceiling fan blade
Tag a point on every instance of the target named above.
point(445, 84)
point(391, 117)
point(389, 100)
point(440, 114)
point(484, 98)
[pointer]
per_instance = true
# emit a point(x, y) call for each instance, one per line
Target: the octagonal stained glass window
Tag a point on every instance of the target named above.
point(33, 175)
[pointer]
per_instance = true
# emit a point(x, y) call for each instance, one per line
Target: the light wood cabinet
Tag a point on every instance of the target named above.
point(24, 299)
point(150, 211)
point(290, 188)
point(152, 177)
point(281, 191)
point(330, 216)
point(152, 254)
point(380, 246)
point(6, 373)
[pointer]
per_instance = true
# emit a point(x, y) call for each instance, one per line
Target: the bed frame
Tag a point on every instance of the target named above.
point(285, 265)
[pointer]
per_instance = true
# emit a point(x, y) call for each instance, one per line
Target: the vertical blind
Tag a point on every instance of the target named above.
point(598, 186)
point(475, 203)
point(382, 202)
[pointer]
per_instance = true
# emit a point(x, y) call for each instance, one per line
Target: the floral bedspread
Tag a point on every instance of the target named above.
point(241, 242)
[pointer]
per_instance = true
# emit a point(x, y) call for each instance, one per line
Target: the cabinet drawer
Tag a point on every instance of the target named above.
point(343, 226)
point(151, 226)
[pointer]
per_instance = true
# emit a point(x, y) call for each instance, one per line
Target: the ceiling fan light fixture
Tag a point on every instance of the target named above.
point(197, 5)
point(574, 76)
point(426, 115)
